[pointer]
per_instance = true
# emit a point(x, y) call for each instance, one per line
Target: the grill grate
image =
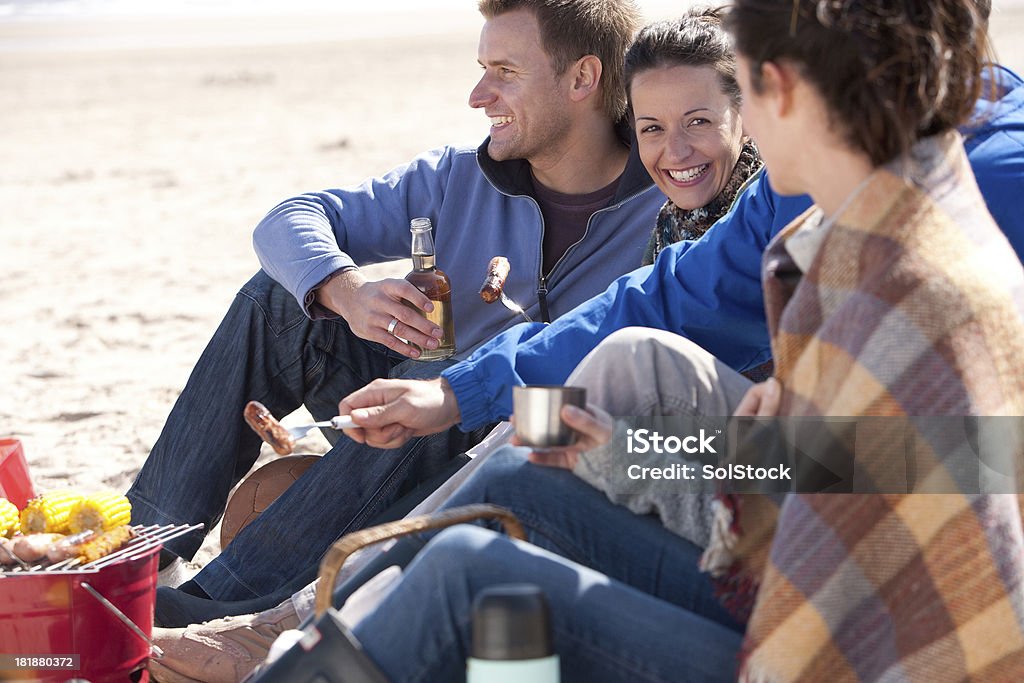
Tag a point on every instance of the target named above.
point(146, 538)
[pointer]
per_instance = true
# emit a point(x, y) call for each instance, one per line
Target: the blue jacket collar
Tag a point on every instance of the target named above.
point(512, 177)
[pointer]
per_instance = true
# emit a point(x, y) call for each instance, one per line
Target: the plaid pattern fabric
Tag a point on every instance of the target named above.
point(912, 306)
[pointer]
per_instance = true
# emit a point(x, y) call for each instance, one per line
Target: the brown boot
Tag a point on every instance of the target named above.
point(220, 651)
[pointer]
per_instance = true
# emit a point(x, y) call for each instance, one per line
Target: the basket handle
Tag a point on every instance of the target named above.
point(336, 555)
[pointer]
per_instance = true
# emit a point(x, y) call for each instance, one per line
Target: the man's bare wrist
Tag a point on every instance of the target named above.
point(450, 403)
point(328, 293)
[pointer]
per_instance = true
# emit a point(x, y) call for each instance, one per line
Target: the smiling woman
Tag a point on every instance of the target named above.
point(685, 107)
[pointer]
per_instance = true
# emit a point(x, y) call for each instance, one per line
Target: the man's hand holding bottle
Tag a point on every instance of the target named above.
point(369, 307)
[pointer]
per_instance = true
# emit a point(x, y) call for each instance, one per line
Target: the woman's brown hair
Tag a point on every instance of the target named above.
point(697, 39)
point(890, 71)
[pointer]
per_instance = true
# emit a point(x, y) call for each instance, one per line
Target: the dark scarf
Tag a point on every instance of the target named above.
point(675, 224)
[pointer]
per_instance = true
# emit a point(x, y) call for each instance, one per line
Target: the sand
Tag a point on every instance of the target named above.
point(131, 181)
point(137, 157)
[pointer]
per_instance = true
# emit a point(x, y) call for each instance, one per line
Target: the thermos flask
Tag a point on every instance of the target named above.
point(512, 637)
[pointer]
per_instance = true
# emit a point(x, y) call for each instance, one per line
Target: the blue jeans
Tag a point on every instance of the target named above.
point(603, 630)
point(567, 516)
point(267, 350)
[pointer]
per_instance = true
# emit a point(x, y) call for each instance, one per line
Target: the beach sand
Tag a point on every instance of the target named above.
point(132, 179)
point(138, 156)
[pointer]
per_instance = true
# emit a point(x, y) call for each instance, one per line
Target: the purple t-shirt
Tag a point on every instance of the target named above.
point(566, 216)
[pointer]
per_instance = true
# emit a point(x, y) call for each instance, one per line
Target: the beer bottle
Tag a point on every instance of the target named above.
point(435, 285)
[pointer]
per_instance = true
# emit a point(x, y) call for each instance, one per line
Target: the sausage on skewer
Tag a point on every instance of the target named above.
point(269, 429)
point(497, 272)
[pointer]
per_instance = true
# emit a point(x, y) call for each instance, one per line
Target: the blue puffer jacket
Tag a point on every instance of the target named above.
point(480, 208)
point(710, 290)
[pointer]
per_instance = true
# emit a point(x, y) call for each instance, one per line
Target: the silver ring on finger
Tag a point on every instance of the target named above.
point(392, 325)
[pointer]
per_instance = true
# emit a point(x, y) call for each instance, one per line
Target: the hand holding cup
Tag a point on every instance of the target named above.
point(553, 421)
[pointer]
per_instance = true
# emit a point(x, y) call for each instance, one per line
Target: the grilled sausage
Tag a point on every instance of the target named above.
point(269, 429)
point(497, 272)
point(7, 552)
point(33, 547)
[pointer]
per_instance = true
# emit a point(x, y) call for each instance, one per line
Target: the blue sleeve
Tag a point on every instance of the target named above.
point(708, 290)
point(306, 238)
point(994, 141)
point(998, 164)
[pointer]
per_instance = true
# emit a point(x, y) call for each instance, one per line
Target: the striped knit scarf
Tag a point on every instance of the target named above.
point(675, 225)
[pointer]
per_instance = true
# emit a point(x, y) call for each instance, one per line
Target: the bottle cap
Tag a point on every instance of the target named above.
point(511, 622)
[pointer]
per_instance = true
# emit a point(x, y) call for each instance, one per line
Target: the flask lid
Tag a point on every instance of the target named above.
point(511, 622)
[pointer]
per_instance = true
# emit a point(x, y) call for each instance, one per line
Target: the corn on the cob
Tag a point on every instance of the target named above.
point(8, 518)
point(100, 512)
point(105, 544)
point(49, 513)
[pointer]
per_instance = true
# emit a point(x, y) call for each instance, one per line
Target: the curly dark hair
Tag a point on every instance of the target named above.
point(697, 39)
point(890, 71)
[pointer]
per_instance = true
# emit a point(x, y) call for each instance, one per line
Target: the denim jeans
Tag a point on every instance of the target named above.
point(603, 630)
point(628, 600)
point(266, 349)
point(567, 516)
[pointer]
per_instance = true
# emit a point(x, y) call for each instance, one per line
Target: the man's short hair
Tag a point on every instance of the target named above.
point(571, 29)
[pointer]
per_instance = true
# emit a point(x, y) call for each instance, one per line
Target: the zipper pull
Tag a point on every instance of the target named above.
point(542, 298)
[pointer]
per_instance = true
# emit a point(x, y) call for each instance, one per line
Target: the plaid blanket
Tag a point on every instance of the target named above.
point(912, 306)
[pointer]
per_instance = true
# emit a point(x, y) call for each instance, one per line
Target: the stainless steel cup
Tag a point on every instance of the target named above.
point(536, 410)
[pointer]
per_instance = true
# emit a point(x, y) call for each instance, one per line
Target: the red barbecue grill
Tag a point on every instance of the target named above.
point(101, 611)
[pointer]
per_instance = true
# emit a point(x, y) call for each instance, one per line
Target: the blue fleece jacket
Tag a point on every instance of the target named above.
point(710, 290)
point(480, 208)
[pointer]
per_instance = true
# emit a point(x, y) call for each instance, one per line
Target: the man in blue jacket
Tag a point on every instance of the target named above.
point(311, 328)
point(708, 291)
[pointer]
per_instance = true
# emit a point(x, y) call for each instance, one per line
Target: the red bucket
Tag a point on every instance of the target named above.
point(15, 483)
point(55, 614)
